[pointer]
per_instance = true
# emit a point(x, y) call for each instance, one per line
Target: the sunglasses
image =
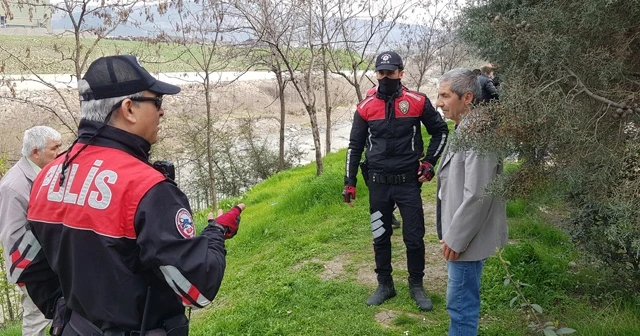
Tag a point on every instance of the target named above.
point(157, 101)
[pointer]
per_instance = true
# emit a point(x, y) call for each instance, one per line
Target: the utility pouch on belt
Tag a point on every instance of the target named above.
point(60, 317)
point(364, 167)
point(177, 326)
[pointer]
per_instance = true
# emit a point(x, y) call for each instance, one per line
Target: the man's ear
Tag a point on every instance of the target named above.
point(126, 112)
point(34, 153)
point(467, 97)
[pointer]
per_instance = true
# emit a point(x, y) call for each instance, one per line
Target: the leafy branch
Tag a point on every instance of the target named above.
point(547, 328)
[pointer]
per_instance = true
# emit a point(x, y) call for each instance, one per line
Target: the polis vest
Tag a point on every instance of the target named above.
point(101, 191)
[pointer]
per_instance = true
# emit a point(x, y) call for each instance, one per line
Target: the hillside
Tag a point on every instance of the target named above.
point(302, 264)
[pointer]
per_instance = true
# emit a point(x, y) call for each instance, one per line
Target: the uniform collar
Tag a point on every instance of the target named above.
point(113, 137)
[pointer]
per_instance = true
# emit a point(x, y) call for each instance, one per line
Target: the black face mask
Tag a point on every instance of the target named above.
point(388, 86)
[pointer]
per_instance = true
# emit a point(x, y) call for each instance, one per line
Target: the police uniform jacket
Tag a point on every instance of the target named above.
point(389, 127)
point(114, 228)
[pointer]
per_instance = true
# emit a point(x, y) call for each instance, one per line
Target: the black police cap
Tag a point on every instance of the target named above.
point(121, 75)
point(389, 60)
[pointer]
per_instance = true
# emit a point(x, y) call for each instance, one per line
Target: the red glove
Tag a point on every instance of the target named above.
point(349, 193)
point(230, 221)
point(426, 170)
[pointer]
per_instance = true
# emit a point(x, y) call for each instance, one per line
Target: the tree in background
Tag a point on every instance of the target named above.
point(570, 110)
point(90, 21)
point(363, 31)
point(203, 30)
point(277, 36)
point(422, 43)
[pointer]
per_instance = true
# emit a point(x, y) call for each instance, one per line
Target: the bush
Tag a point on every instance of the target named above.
point(570, 110)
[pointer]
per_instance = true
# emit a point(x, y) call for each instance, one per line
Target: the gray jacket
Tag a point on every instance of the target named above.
point(15, 188)
point(471, 222)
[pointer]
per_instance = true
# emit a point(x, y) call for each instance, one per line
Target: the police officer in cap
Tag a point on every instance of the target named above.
point(110, 234)
point(387, 122)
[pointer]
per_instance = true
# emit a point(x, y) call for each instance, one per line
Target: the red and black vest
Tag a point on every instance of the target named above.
point(101, 192)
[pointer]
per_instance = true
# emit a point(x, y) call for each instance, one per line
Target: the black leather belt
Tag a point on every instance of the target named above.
point(393, 179)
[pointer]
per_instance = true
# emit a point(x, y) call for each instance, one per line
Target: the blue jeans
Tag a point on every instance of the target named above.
point(463, 296)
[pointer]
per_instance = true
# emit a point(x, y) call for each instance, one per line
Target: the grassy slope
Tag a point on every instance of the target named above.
point(295, 222)
point(292, 218)
point(295, 217)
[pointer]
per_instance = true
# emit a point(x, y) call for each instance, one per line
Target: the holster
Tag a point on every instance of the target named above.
point(177, 326)
point(61, 317)
point(364, 167)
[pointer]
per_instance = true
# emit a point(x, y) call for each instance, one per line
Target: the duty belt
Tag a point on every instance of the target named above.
point(393, 179)
point(78, 325)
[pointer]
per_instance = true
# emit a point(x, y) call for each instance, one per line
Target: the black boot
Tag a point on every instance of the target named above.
point(416, 291)
point(385, 291)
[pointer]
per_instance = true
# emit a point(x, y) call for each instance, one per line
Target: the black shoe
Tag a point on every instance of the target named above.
point(384, 292)
point(395, 223)
point(416, 291)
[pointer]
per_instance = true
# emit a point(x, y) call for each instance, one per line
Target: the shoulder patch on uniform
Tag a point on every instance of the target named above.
point(184, 223)
point(414, 96)
point(364, 102)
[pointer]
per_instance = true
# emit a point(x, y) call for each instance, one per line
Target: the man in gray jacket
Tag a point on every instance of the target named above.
point(41, 144)
point(471, 223)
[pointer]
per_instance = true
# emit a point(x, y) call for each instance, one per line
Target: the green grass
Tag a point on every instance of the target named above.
point(295, 223)
point(49, 55)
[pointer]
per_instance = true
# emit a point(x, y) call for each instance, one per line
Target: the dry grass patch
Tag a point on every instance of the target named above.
point(332, 269)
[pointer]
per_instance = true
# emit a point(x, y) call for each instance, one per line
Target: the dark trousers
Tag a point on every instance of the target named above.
point(382, 198)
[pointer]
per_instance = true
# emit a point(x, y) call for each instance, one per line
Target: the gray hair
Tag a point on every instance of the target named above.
point(37, 137)
point(97, 110)
point(462, 81)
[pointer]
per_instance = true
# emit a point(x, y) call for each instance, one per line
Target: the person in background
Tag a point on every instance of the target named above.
point(40, 146)
point(488, 91)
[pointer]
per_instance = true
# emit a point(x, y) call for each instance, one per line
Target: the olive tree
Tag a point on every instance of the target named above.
point(570, 110)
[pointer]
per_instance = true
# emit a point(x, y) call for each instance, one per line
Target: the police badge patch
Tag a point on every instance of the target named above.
point(184, 223)
point(404, 106)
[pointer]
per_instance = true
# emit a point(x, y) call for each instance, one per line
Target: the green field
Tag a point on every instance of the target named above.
point(52, 55)
point(48, 54)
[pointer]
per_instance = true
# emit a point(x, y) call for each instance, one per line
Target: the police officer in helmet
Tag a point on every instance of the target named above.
point(111, 235)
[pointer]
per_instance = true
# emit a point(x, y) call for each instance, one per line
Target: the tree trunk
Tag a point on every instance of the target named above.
point(327, 103)
point(316, 138)
point(356, 84)
point(282, 117)
point(211, 176)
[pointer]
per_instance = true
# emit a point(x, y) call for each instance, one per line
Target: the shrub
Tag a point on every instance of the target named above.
point(570, 110)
